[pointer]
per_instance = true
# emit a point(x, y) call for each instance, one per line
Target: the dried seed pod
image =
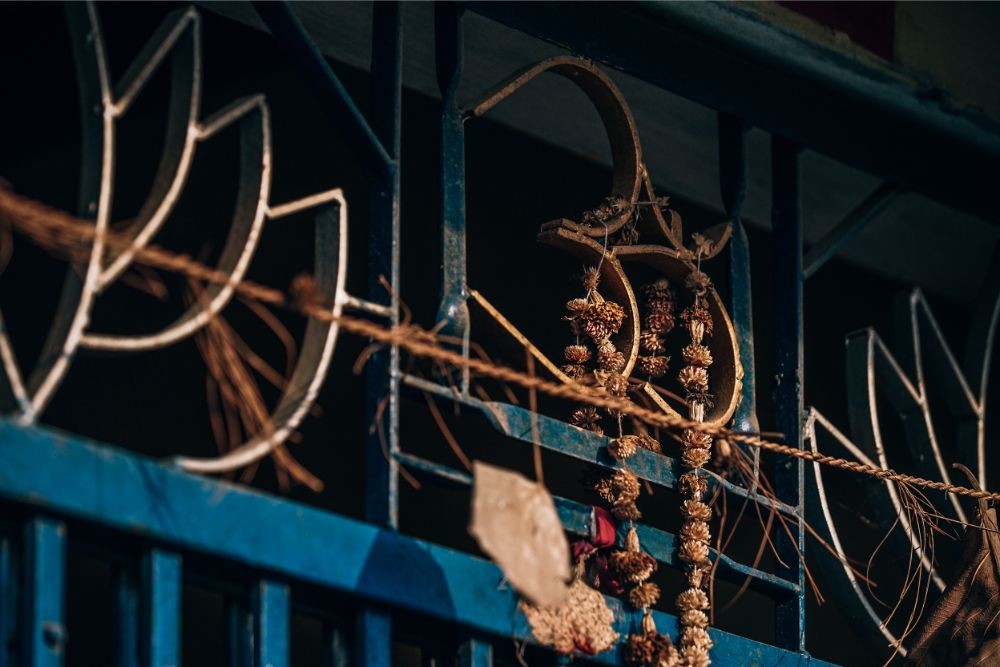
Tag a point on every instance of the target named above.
point(588, 418)
point(693, 378)
point(658, 289)
point(650, 649)
point(694, 618)
point(695, 457)
point(698, 314)
point(616, 385)
point(626, 511)
point(577, 306)
point(693, 552)
point(574, 371)
point(651, 343)
point(695, 530)
point(697, 510)
point(644, 596)
point(577, 354)
point(698, 282)
point(633, 566)
point(692, 438)
point(659, 322)
point(694, 636)
point(692, 598)
point(692, 656)
point(697, 355)
point(613, 362)
point(620, 486)
point(692, 485)
point(649, 442)
point(590, 279)
point(611, 314)
point(653, 366)
point(623, 447)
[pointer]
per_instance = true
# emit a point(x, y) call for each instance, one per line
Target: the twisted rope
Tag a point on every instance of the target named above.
point(58, 231)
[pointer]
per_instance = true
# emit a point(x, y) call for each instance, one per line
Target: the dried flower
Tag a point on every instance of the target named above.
point(608, 208)
point(692, 484)
point(697, 355)
point(644, 595)
point(653, 366)
point(698, 282)
point(651, 343)
point(574, 371)
point(626, 511)
point(693, 378)
point(695, 457)
point(577, 306)
point(701, 244)
point(695, 636)
point(616, 385)
point(695, 530)
point(693, 552)
point(659, 322)
point(693, 314)
point(577, 354)
point(650, 649)
point(694, 618)
point(587, 418)
point(613, 362)
point(695, 509)
point(692, 656)
point(634, 566)
point(658, 289)
point(692, 598)
point(620, 486)
point(660, 305)
point(602, 319)
point(623, 447)
point(693, 438)
point(583, 622)
point(591, 278)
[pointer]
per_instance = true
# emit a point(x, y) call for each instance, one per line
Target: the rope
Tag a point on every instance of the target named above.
point(58, 231)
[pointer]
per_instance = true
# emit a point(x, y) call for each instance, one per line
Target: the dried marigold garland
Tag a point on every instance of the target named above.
point(696, 450)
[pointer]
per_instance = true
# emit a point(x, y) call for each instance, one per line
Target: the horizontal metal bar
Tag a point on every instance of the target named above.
point(725, 56)
point(558, 436)
point(849, 227)
point(660, 544)
point(138, 496)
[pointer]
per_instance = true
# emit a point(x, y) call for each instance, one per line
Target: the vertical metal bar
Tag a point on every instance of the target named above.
point(733, 187)
point(475, 653)
point(374, 625)
point(788, 393)
point(44, 628)
point(272, 617)
point(454, 308)
point(240, 630)
point(161, 609)
point(8, 600)
point(126, 616)
point(374, 633)
point(336, 652)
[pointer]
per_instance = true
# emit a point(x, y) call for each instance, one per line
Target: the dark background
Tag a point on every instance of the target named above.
point(155, 403)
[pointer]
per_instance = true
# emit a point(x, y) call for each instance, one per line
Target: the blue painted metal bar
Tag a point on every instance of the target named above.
point(375, 626)
point(56, 472)
point(43, 632)
point(788, 373)
point(239, 628)
point(8, 600)
point(558, 436)
point(126, 611)
point(382, 490)
point(359, 135)
point(454, 307)
point(272, 614)
point(660, 544)
point(160, 637)
point(849, 227)
point(475, 653)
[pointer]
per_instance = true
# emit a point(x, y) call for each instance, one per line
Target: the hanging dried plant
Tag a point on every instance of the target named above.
point(582, 623)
